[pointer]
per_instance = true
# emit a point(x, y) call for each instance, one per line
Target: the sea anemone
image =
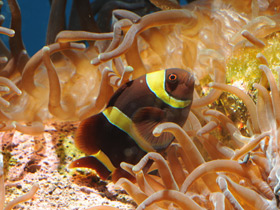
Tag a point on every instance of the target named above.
point(74, 87)
point(246, 177)
point(201, 37)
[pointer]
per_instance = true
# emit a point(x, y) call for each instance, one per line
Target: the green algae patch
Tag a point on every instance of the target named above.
point(8, 161)
point(66, 152)
point(243, 66)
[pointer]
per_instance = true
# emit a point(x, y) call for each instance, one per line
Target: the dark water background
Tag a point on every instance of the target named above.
point(35, 16)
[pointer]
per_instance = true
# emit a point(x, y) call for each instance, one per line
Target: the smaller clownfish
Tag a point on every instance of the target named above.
point(123, 131)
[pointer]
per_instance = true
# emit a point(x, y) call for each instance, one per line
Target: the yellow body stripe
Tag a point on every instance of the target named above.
point(103, 158)
point(118, 118)
point(123, 122)
point(156, 83)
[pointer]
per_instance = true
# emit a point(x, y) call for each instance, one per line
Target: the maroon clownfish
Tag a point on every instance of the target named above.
point(123, 131)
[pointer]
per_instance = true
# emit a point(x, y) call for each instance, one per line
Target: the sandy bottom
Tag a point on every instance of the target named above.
point(44, 159)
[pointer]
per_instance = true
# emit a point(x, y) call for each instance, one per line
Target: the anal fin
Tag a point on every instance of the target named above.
point(120, 173)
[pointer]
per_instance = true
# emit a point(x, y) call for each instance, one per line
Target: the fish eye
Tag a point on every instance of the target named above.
point(172, 77)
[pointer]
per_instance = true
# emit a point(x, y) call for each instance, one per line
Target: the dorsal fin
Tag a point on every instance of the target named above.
point(120, 173)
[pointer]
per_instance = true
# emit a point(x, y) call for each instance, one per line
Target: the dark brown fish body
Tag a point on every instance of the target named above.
point(123, 131)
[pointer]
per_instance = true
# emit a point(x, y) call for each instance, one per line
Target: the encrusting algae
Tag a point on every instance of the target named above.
point(226, 156)
point(242, 67)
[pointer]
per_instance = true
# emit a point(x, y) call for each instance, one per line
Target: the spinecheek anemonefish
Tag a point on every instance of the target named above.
point(123, 131)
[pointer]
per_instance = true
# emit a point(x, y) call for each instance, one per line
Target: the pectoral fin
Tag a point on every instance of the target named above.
point(143, 123)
